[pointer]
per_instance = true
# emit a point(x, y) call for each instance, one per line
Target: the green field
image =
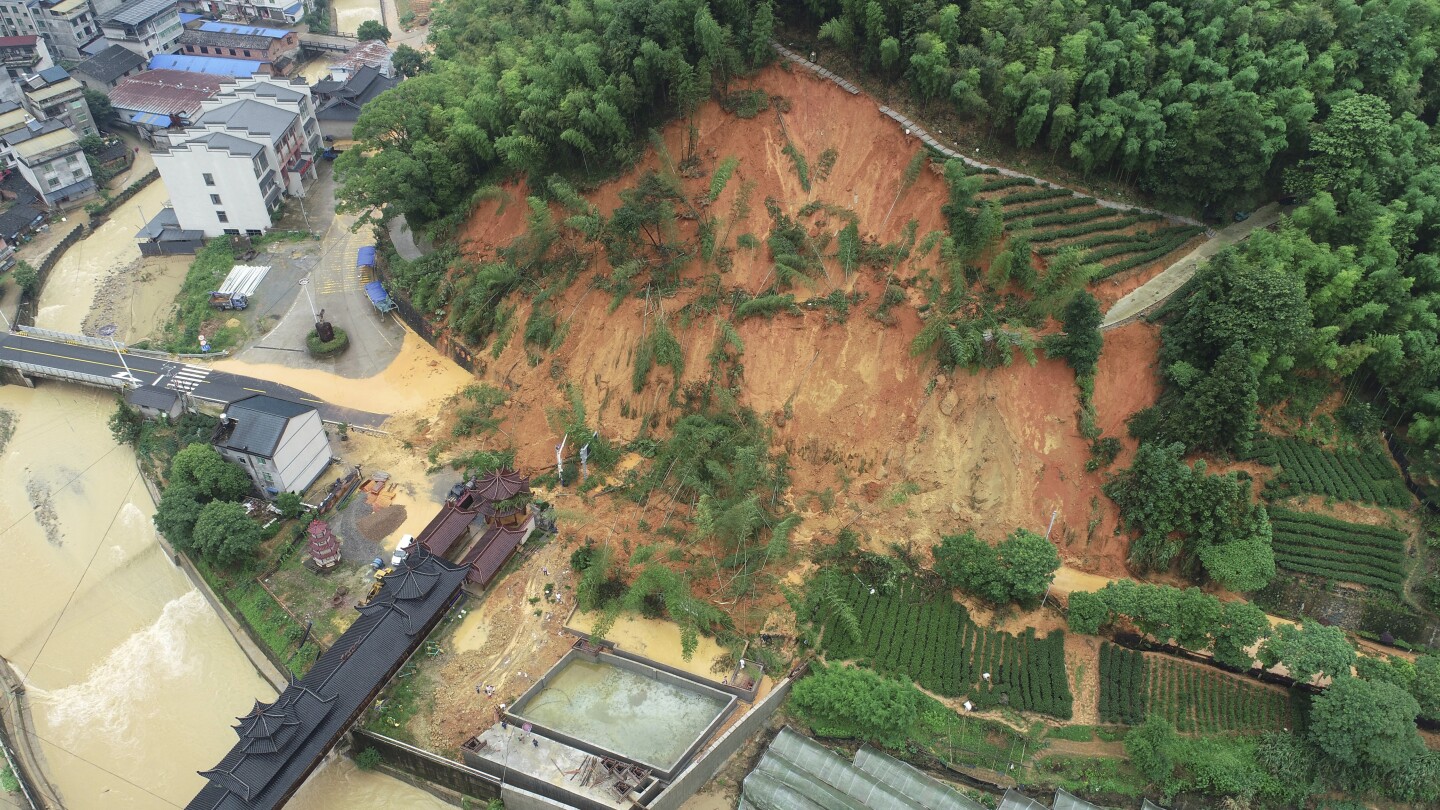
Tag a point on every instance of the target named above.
point(1335, 549)
point(934, 642)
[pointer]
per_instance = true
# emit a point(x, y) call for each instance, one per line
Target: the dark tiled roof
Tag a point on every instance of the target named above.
point(491, 553)
point(151, 397)
point(111, 63)
point(250, 116)
point(230, 143)
point(259, 422)
point(346, 99)
point(221, 39)
point(52, 75)
point(281, 743)
point(448, 526)
point(501, 484)
point(16, 219)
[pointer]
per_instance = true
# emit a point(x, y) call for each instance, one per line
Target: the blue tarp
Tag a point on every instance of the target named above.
point(186, 19)
point(153, 119)
point(293, 11)
point(377, 293)
point(366, 257)
point(214, 65)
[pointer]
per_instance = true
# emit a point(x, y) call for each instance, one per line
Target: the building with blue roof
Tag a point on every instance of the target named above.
point(277, 51)
point(213, 65)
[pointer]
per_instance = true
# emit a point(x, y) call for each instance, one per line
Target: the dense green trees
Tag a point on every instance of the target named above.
point(1309, 650)
point(1018, 569)
point(1182, 514)
point(198, 510)
point(225, 533)
point(1190, 618)
point(852, 702)
point(1080, 343)
point(534, 88)
point(1202, 101)
point(1366, 729)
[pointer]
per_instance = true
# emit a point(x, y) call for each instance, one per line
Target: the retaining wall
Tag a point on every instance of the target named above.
point(426, 766)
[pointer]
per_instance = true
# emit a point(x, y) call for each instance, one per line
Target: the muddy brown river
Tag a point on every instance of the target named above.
point(133, 680)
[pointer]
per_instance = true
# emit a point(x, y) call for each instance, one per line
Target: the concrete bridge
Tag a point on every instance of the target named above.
point(101, 363)
point(332, 43)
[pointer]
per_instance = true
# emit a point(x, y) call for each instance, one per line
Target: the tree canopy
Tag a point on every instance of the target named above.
point(1309, 650)
point(852, 702)
point(1018, 569)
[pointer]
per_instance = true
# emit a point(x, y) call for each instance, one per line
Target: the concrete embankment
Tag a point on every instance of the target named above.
point(21, 755)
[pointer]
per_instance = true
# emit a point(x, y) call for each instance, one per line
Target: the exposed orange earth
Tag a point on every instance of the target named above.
point(906, 451)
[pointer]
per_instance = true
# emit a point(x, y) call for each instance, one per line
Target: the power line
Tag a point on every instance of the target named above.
point(100, 767)
point(98, 545)
point(63, 487)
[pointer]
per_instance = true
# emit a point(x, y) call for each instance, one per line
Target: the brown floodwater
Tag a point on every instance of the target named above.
point(133, 681)
point(350, 13)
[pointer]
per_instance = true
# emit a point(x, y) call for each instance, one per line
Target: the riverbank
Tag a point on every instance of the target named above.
point(22, 758)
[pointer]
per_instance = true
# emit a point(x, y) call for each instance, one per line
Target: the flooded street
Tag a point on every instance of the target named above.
point(350, 13)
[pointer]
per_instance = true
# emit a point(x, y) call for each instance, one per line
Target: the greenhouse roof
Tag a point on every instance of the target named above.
point(797, 773)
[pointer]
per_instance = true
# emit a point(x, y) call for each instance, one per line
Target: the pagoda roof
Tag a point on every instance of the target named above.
point(502, 484)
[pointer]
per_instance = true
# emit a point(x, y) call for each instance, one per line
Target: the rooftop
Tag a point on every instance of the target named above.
point(282, 742)
point(165, 226)
point(228, 143)
point(257, 422)
point(214, 65)
point(69, 7)
point(373, 53)
point(223, 39)
point(248, 30)
point(60, 139)
point(250, 116)
point(16, 219)
point(265, 89)
point(18, 42)
point(111, 63)
point(166, 92)
point(150, 396)
point(139, 11)
point(348, 97)
point(50, 92)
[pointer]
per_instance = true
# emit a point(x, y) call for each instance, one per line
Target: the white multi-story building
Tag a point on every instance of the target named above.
point(290, 11)
point(256, 141)
point(46, 153)
point(147, 27)
point(53, 93)
point(67, 25)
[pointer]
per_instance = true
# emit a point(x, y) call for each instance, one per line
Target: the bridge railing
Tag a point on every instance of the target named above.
point(30, 369)
point(65, 337)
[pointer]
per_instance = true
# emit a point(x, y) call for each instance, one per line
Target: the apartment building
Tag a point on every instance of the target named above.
point(54, 94)
point(147, 27)
point(46, 153)
point(248, 147)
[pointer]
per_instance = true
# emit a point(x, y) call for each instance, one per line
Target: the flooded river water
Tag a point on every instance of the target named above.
point(133, 680)
point(350, 13)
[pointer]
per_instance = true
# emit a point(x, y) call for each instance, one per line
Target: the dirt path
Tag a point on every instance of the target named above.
point(1173, 277)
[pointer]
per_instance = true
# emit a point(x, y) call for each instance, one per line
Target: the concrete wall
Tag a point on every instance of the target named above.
point(517, 799)
point(184, 168)
point(704, 768)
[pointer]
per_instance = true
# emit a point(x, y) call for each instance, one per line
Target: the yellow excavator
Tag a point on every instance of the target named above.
point(379, 581)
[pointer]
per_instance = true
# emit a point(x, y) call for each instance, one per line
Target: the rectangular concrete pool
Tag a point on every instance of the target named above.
point(638, 712)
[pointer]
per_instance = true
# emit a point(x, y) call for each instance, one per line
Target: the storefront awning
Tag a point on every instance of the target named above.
point(151, 119)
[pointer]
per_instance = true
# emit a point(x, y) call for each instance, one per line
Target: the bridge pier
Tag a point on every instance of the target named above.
point(14, 376)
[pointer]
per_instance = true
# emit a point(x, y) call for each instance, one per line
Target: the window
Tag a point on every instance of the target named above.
point(215, 199)
point(232, 231)
point(232, 51)
point(220, 215)
point(247, 51)
point(54, 182)
point(204, 49)
point(72, 159)
point(209, 179)
point(253, 232)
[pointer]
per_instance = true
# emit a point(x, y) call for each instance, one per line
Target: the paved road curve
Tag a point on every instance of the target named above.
point(196, 380)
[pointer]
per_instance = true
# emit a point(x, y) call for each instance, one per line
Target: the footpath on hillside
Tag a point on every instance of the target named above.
point(1154, 292)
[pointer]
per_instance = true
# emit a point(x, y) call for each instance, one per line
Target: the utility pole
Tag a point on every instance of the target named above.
point(1046, 597)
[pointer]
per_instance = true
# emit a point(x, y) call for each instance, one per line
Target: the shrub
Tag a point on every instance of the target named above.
point(319, 348)
point(368, 759)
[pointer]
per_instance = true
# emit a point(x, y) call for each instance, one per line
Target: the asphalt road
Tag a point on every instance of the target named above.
point(199, 381)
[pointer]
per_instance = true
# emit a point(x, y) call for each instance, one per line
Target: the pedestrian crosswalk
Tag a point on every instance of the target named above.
point(186, 378)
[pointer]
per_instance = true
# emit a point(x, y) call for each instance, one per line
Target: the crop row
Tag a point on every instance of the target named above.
point(1153, 241)
point(1000, 182)
point(1122, 685)
point(1347, 474)
point(934, 642)
point(1201, 700)
point(1034, 196)
point(1047, 207)
point(1334, 571)
point(1379, 548)
point(1326, 548)
point(1091, 227)
point(1315, 521)
point(1073, 218)
point(1141, 259)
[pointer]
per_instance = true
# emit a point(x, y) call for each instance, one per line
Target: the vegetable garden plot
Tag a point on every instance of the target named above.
point(1122, 685)
point(1349, 475)
point(1335, 549)
point(936, 645)
point(1197, 699)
